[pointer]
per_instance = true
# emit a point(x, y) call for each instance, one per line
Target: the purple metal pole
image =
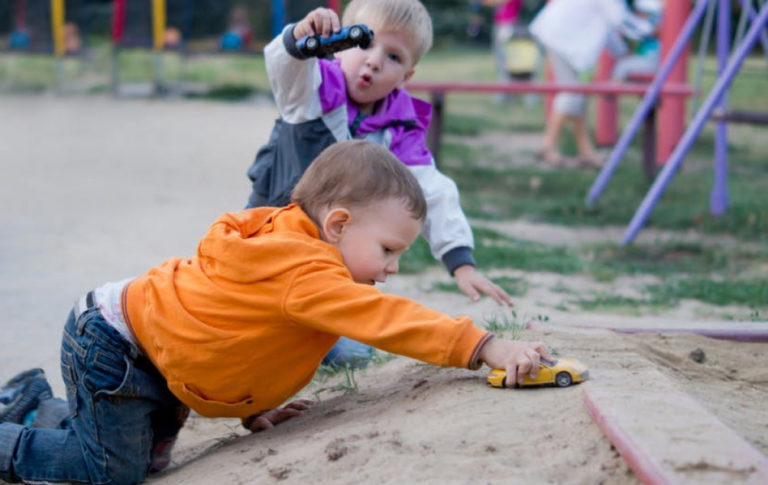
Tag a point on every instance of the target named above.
point(718, 197)
point(670, 168)
point(647, 103)
point(763, 36)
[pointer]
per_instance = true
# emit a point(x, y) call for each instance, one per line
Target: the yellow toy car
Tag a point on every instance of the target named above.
point(561, 372)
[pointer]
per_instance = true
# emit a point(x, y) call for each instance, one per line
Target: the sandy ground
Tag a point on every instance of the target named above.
point(95, 190)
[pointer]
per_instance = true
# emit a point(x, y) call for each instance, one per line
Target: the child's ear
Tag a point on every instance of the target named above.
point(408, 75)
point(335, 223)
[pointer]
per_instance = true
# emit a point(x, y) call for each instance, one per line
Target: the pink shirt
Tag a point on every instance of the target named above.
point(507, 12)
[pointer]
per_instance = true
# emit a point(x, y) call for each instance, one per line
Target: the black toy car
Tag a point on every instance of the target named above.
point(349, 36)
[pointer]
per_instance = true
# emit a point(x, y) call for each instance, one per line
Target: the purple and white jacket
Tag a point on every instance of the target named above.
point(311, 96)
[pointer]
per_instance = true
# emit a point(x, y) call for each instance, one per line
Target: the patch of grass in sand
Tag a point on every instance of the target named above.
point(382, 357)
point(495, 250)
point(751, 316)
point(327, 379)
point(691, 264)
point(509, 323)
point(506, 322)
point(670, 257)
point(749, 292)
point(752, 293)
point(611, 303)
point(342, 378)
point(561, 287)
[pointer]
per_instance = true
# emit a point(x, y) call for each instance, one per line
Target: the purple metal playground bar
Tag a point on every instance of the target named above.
point(704, 112)
point(751, 14)
point(718, 196)
point(648, 101)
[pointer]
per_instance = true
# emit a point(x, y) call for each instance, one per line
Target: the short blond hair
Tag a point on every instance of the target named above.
point(407, 16)
point(357, 173)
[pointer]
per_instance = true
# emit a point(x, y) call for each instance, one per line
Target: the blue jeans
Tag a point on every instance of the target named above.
point(351, 352)
point(120, 407)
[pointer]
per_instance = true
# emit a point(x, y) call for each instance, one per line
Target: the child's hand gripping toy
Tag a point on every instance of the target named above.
point(561, 373)
point(349, 36)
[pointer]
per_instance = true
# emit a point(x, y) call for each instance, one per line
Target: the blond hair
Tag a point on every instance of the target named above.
point(357, 173)
point(407, 16)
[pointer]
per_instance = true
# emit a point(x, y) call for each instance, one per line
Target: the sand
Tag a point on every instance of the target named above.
point(96, 190)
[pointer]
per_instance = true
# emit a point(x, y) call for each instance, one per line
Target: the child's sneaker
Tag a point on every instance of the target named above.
point(161, 455)
point(21, 395)
point(17, 382)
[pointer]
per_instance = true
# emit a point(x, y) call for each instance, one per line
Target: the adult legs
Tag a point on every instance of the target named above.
point(567, 108)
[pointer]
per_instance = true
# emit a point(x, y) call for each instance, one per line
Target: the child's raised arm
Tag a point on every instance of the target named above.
point(517, 358)
point(319, 21)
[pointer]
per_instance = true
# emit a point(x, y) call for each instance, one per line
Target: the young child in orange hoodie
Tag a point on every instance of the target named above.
point(240, 327)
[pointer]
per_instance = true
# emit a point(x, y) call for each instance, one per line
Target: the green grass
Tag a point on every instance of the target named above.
point(558, 195)
point(688, 269)
point(494, 250)
point(506, 322)
point(667, 258)
point(611, 303)
point(751, 292)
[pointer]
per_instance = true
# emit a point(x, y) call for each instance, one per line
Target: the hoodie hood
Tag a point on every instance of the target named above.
point(234, 247)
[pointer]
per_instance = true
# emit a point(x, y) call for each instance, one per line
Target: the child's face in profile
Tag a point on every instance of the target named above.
point(374, 239)
point(373, 73)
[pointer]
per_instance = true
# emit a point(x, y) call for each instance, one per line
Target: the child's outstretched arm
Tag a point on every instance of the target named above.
point(321, 20)
point(472, 283)
point(516, 357)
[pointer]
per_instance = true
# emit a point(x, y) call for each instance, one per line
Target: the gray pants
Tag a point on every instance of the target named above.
point(571, 104)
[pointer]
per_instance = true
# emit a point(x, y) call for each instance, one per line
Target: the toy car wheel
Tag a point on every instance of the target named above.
point(311, 44)
point(563, 379)
point(355, 33)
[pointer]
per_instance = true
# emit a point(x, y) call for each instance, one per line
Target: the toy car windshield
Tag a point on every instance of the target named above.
point(349, 36)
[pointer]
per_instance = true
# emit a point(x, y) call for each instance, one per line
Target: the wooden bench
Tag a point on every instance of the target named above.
point(438, 90)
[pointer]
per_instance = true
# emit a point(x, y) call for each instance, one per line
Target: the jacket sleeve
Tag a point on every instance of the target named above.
point(323, 297)
point(446, 227)
point(294, 80)
point(614, 11)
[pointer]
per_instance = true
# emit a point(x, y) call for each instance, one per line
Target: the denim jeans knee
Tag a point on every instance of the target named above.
point(113, 394)
point(349, 352)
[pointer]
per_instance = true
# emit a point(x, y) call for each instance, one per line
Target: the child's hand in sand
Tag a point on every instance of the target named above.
point(319, 21)
point(268, 419)
point(517, 358)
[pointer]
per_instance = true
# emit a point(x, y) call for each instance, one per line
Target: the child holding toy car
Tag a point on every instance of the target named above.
point(240, 327)
point(360, 95)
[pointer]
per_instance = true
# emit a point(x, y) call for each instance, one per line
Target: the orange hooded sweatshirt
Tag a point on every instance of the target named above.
point(243, 326)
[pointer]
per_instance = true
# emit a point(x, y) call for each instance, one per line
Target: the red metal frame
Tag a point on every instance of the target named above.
point(672, 111)
point(671, 123)
point(673, 90)
point(20, 19)
point(118, 21)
